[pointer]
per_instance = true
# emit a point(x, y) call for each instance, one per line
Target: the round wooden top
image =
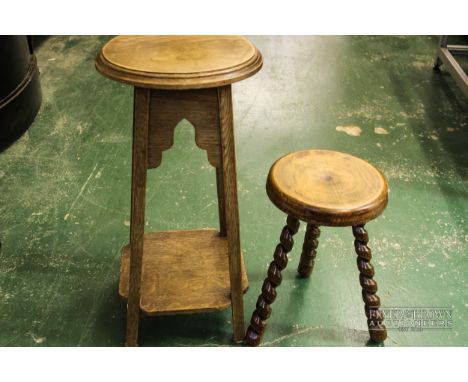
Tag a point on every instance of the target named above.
point(178, 62)
point(327, 188)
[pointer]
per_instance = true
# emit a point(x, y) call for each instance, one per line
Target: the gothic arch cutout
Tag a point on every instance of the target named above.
point(198, 107)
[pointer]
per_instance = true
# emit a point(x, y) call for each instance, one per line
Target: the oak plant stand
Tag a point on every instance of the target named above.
point(178, 77)
point(323, 188)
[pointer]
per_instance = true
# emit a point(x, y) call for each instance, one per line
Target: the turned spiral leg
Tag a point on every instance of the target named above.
point(377, 331)
point(273, 280)
point(309, 250)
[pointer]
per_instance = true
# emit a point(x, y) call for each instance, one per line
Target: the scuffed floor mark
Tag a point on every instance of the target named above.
point(5, 297)
point(98, 175)
point(354, 131)
point(80, 128)
point(21, 146)
point(114, 138)
point(287, 336)
point(317, 331)
point(67, 215)
point(381, 130)
point(416, 173)
point(94, 203)
point(60, 125)
point(37, 340)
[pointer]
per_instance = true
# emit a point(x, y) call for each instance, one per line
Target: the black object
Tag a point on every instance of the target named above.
point(20, 90)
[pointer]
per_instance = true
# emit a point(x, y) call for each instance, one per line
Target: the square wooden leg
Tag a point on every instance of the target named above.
point(221, 201)
point(137, 222)
point(232, 211)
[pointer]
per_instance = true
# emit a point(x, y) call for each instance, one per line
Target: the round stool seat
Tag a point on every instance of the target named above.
point(178, 62)
point(327, 188)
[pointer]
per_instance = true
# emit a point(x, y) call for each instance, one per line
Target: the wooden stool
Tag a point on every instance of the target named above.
point(178, 77)
point(323, 188)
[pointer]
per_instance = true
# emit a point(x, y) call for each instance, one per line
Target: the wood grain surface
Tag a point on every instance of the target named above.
point(178, 62)
point(327, 188)
point(183, 272)
point(169, 107)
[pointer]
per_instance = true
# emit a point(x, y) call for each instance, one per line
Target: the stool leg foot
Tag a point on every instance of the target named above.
point(273, 280)
point(309, 250)
point(377, 330)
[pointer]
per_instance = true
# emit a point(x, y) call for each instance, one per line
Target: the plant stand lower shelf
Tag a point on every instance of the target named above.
point(183, 272)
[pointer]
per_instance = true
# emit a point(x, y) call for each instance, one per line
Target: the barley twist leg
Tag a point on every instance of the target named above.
point(377, 330)
point(309, 250)
point(273, 280)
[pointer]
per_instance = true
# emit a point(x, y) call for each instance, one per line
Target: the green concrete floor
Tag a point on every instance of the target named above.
point(65, 193)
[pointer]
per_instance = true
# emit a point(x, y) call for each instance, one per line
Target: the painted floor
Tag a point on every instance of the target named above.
point(65, 195)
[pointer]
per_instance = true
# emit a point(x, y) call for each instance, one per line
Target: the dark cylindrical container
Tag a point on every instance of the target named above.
point(20, 91)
